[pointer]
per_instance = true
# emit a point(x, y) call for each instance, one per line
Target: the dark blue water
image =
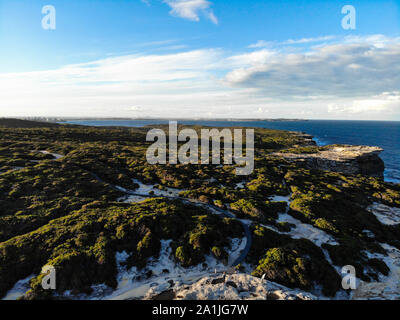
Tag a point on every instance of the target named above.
point(384, 134)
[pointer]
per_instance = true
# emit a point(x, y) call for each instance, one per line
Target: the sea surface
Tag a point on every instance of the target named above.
point(384, 134)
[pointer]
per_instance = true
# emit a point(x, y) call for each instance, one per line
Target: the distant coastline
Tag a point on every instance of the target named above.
point(384, 134)
point(66, 119)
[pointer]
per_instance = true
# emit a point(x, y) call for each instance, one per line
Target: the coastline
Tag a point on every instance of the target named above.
point(325, 136)
point(280, 204)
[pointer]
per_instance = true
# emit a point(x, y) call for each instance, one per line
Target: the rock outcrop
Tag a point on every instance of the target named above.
point(388, 287)
point(231, 287)
point(307, 139)
point(376, 291)
point(346, 159)
point(385, 214)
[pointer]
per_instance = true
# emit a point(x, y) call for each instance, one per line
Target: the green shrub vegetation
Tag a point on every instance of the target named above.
point(58, 212)
point(296, 263)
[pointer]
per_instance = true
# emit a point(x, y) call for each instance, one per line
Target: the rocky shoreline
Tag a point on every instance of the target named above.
point(340, 158)
point(238, 286)
point(105, 243)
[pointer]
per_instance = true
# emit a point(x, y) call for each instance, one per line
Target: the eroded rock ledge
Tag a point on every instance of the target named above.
point(307, 139)
point(231, 287)
point(339, 158)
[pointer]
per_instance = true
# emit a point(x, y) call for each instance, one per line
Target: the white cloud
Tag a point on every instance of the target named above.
point(309, 40)
point(347, 69)
point(135, 109)
point(352, 79)
point(163, 85)
point(386, 102)
point(191, 9)
point(147, 2)
point(254, 58)
point(260, 44)
point(265, 44)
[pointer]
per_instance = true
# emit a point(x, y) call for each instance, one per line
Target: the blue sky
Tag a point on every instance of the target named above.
point(200, 58)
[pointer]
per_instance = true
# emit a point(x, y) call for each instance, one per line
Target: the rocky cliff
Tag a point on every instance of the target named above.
point(344, 158)
point(230, 287)
point(307, 139)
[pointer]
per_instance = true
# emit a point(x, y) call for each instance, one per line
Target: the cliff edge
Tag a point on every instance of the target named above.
point(230, 287)
point(339, 158)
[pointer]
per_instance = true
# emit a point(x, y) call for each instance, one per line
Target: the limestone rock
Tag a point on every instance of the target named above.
point(236, 287)
point(344, 158)
point(385, 214)
point(307, 139)
point(377, 291)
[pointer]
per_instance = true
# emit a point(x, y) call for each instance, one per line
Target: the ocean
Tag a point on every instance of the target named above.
point(384, 134)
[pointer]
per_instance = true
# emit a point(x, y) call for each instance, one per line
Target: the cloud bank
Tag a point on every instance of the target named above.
point(354, 78)
point(192, 9)
point(350, 68)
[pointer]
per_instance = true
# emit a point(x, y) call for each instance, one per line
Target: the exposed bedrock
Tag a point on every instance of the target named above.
point(307, 139)
point(346, 159)
point(230, 287)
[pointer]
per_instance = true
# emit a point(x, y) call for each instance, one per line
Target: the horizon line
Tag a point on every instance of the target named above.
point(69, 118)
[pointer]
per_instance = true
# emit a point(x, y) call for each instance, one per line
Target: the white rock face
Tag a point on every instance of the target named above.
point(385, 214)
point(146, 190)
point(19, 289)
point(240, 185)
point(237, 287)
point(281, 199)
point(388, 287)
point(307, 231)
point(347, 159)
point(376, 291)
point(55, 155)
point(164, 273)
point(301, 230)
